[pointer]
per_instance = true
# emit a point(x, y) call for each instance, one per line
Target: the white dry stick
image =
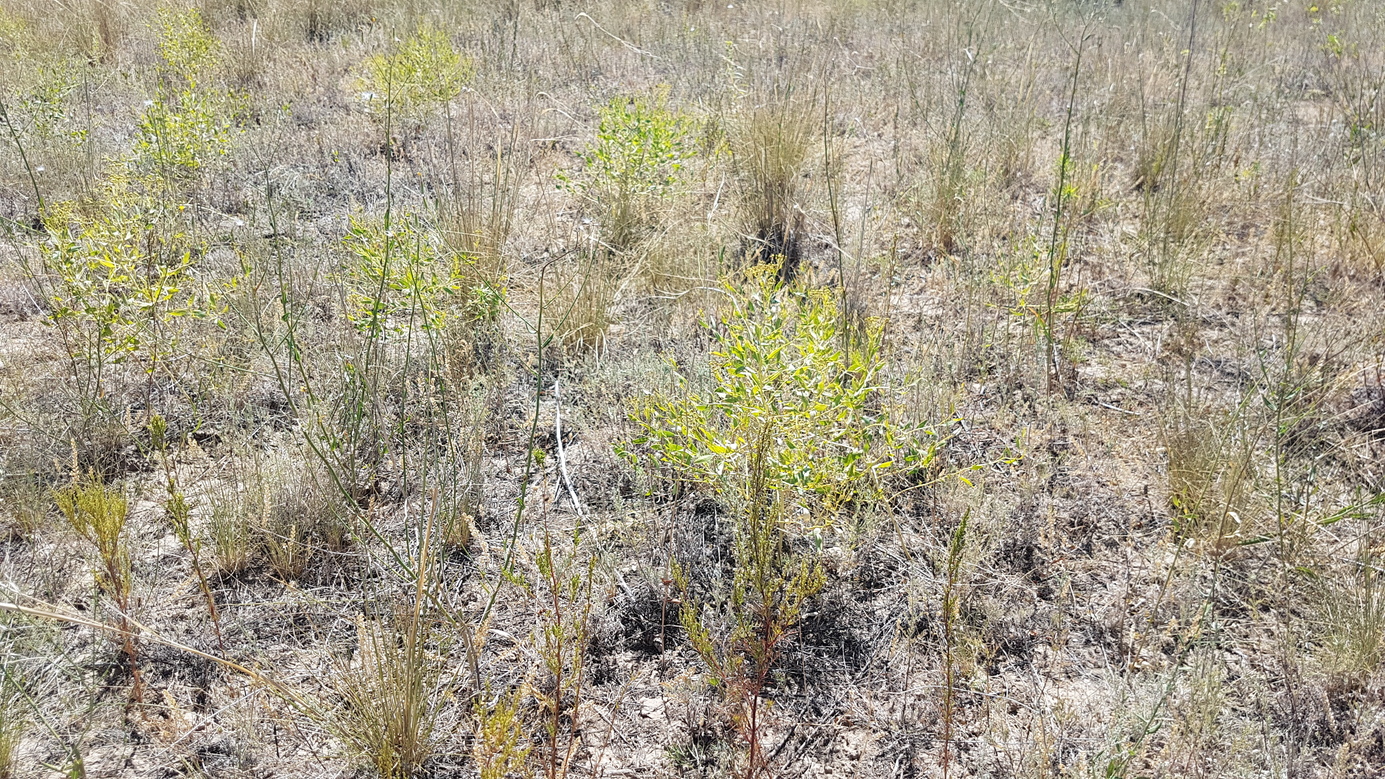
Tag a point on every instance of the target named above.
point(562, 455)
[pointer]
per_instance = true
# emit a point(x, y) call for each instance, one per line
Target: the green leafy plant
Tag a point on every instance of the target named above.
point(184, 126)
point(633, 164)
point(187, 48)
point(629, 171)
point(422, 73)
point(1059, 236)
point(116, 269)
point(500, 748)
point(789, 439)
point(120, 264)
point(781, 364)
point(398, 276)
point(402, 286)
point(119, 273)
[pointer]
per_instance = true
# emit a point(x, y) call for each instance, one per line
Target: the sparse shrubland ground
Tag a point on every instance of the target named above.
point(769, 389)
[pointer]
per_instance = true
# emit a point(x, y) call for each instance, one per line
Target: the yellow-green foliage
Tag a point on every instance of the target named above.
point(782, 368)
point(637, 157)
point(12, 31)
point(184, 126)
point(500, 748)
point(119, 270)
point(422, 73)
point(98, 514)
point(187, 48)
point(178, 137)
point(398, 276)
point(119, 260)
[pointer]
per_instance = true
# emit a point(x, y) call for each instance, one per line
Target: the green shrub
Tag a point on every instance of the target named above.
point(399, 277)
point(784, 367)
point(118, 273)
point(118, 265)
point(423, 73)
point(187, 48)
point(631, 166)
point(184, 126)
point(788, 439)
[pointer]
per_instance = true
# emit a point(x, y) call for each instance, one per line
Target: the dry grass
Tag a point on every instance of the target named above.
point(393, 281)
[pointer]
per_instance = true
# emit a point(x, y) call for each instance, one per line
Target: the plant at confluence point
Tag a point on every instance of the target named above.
point(789, 439)
point(633, 164)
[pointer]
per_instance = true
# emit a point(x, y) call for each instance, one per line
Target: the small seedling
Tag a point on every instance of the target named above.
point(98, 514)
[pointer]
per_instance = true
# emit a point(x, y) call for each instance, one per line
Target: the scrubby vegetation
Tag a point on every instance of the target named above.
point(672, 388)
